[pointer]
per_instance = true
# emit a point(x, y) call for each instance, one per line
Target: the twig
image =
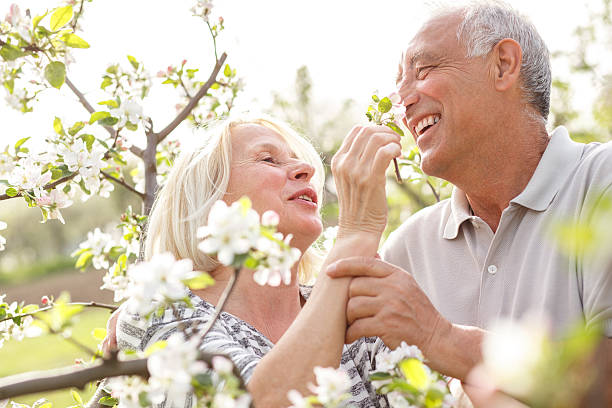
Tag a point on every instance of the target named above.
point(397, 172)
point(193, 101)
point(123, 183)
point(86, 103)
point(433, 190)
point(78, 15)
point(44, 309)
point(69, 339)
point(49, 186)
point(220, 304)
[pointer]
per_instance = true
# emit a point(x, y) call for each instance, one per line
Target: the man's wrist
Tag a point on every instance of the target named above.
point(456, 349)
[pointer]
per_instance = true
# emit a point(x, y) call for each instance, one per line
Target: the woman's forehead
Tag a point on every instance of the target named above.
point(251, 137)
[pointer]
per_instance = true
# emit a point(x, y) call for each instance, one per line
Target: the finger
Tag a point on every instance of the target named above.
point(361, 307)
point(376, 142)
point(383, 157)
point(371, 136)
point(348, 140)
point(367, 327)
point(364, 286)
point(359, 266)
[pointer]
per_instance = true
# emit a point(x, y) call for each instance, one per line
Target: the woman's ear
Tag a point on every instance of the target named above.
point(507, 58)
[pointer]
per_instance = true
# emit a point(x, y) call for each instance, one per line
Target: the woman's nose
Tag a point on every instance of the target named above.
point(300, 170)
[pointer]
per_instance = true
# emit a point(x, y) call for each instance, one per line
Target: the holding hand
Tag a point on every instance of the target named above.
point(359, 169)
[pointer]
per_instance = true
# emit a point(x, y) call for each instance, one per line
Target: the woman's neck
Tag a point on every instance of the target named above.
point(271, 310)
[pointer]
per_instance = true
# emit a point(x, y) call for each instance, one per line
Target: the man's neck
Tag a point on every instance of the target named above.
point(492, 183)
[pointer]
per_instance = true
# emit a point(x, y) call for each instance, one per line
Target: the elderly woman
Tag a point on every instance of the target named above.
point(272, 334)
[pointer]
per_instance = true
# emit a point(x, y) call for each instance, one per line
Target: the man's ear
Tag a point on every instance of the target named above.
point(507, 58)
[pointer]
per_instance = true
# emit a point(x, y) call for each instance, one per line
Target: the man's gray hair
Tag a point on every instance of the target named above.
point(487, 23)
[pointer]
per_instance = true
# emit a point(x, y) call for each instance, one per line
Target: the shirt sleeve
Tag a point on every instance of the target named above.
point(597, 268)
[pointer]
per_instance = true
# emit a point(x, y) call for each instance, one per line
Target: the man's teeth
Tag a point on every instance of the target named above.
point(305, 197)
point(427, 121)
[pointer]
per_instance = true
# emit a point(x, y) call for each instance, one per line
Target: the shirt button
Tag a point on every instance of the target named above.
point(492, 269)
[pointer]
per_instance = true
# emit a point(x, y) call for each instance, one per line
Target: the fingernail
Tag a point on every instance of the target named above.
point(331, 269)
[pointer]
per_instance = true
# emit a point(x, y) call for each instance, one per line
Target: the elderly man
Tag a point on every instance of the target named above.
point(476, 85)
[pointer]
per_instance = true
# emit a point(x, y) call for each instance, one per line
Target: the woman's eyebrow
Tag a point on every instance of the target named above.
point(271, 147)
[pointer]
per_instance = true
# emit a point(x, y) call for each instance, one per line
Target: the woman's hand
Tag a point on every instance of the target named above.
point(359, 169)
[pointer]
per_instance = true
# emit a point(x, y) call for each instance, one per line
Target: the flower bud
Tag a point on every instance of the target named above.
point(269, 219)
point(44, 300)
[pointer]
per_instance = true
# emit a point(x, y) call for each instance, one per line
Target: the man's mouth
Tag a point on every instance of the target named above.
point(426, 123)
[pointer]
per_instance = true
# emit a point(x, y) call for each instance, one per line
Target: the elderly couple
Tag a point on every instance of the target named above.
point(481, 73)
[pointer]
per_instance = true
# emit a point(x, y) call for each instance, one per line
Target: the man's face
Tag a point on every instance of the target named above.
point(447, 98)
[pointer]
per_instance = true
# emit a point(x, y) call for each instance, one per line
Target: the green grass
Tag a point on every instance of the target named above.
point(51, 351)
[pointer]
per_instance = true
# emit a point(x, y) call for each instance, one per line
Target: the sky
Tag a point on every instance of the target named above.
point(351, 47)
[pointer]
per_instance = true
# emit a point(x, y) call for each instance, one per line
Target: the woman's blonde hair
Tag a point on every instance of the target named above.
point(200, 177)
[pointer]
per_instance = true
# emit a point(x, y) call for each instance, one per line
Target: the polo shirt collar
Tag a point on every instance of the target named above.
point(459, 212)
point(558, 161)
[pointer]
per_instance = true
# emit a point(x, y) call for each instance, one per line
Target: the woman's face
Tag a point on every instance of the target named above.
point(267, 171)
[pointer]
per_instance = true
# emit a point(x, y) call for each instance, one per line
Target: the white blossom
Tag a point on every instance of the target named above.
point(117, 283)
point(14, 99)
point(127, 390)
point(8, 328)
point(20, 23)
point(511, 353)
point(128, 111)
point(97, 242)
point(158, 280)
point(172, 369)
point(28, 175)
point(230, 231)
point(332, 384)
point(387, 360)
point(2, 242)
point(278, 261)
point(221, 400)
point(297, 400)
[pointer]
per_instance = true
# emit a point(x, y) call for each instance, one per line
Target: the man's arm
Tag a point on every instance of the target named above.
point(386, 301)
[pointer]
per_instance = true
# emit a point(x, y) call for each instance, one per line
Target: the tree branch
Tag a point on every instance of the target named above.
point(122, 183)
point(220, 304)
point(49, 186)
point(66, 377)
point(193, 101)
point(112, 308)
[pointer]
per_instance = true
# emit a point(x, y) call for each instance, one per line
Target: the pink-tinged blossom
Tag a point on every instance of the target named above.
point(332, 386)
point(20, 23)
point(269, 219)
point(53, 202)
point(28, 176)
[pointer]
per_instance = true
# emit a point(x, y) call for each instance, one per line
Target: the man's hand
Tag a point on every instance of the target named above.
point(385, 301)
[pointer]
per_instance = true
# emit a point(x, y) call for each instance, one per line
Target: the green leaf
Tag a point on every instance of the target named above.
point(10, 52)
point(10, 85)
point(61, 17)
point(395, 128)
point(111, 103)
point(55, 73)
point(96, 116)
point(106, 81)
point(227, 71)
point(414, 372)
point(158, 345)
point(83, 260)
point(56, 173)
point(375, 98)
point(76, 128)
point(215, 86)
point(201, 281)
point(108, 401)
point(20, 142)
point(133, 61)
point(385, 105)
point(98, 333)
point(29, 308)
point(36, 20)
point(109, 121)
point(89, 140)
point(57, 126)
point(131, 126)
point(11, 192)
point(75, 395)
point(379, 376)
point(74, 41)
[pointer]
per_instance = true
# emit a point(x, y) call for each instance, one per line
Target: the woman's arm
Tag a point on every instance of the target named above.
point(317, 335)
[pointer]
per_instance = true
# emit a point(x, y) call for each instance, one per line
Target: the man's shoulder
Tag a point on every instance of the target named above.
point(596, 164)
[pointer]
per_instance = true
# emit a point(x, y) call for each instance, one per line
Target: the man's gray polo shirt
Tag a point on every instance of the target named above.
point(474, 277)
